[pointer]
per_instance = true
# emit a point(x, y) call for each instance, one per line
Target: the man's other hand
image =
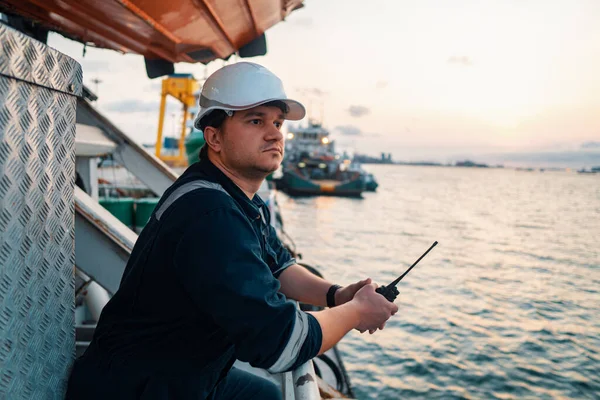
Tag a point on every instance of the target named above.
point(347, 293)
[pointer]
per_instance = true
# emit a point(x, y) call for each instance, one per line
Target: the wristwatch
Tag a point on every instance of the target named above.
point(331, 295)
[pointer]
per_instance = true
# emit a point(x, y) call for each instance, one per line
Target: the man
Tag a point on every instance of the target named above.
point(208, 279)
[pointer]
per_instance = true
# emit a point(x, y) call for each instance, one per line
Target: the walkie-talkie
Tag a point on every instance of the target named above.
point(390, 292)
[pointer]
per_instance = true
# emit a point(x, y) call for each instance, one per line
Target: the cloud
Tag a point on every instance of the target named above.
point(381, 84)
point(358, 111)
point(140, 106)
point(590, 145)
point(349, 130)
point(311, 92)
point(461, 60)
point(132, 105)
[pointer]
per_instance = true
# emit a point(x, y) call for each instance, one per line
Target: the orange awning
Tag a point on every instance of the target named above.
point(171, 30)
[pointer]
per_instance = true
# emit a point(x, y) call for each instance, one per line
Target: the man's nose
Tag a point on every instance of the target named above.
point(274, 133)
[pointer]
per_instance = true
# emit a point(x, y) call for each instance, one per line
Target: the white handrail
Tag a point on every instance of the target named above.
point(305, 382)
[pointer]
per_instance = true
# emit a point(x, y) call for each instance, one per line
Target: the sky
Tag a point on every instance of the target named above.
point(422, 79)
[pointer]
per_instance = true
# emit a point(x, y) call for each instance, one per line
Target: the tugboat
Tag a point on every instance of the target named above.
point(370, 181)
point(311, 166)
point(594, 170)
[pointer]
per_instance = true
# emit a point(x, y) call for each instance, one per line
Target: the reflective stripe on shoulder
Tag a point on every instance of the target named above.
point(185, 189)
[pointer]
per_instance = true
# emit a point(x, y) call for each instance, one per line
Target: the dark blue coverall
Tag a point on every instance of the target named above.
point(199, 291)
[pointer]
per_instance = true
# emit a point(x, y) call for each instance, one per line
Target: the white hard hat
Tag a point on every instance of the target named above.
point(242, 86)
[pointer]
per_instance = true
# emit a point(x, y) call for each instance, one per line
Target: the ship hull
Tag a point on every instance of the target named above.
point(295, 185)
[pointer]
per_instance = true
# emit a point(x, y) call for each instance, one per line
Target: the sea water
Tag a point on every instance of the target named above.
point(506, 306)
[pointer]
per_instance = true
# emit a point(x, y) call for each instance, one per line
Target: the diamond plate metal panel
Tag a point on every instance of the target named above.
point(37, 167)
point(24, 58)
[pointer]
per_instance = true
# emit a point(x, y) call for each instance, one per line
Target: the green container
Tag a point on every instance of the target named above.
point(120, 207)
point(193, 143)
point(143, 211)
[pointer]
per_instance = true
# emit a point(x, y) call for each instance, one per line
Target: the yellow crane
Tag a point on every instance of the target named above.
point(182, 87)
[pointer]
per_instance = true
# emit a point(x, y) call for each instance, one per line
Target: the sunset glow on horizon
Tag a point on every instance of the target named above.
point(411, 77)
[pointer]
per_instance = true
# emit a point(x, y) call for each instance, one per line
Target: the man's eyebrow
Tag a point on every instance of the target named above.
point(261, 114)
point(254, 114)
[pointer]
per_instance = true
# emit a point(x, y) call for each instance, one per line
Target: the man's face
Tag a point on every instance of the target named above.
point(252, 142)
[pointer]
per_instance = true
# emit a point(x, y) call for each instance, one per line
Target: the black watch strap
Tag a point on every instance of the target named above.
point(331, 295)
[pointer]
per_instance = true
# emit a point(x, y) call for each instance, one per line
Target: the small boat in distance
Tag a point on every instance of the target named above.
point(594, 170)
point(370, 181)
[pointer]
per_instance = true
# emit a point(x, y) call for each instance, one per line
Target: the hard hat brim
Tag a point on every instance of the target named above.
point(296, 109)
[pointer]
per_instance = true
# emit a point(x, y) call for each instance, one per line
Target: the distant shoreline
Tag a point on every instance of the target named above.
point(582, 159)
point(591, 171)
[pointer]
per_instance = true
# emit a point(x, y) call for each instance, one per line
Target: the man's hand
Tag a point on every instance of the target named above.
point(347, 293)
point(375, 309)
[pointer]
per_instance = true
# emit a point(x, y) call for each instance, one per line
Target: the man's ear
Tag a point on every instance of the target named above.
point(213, 139)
